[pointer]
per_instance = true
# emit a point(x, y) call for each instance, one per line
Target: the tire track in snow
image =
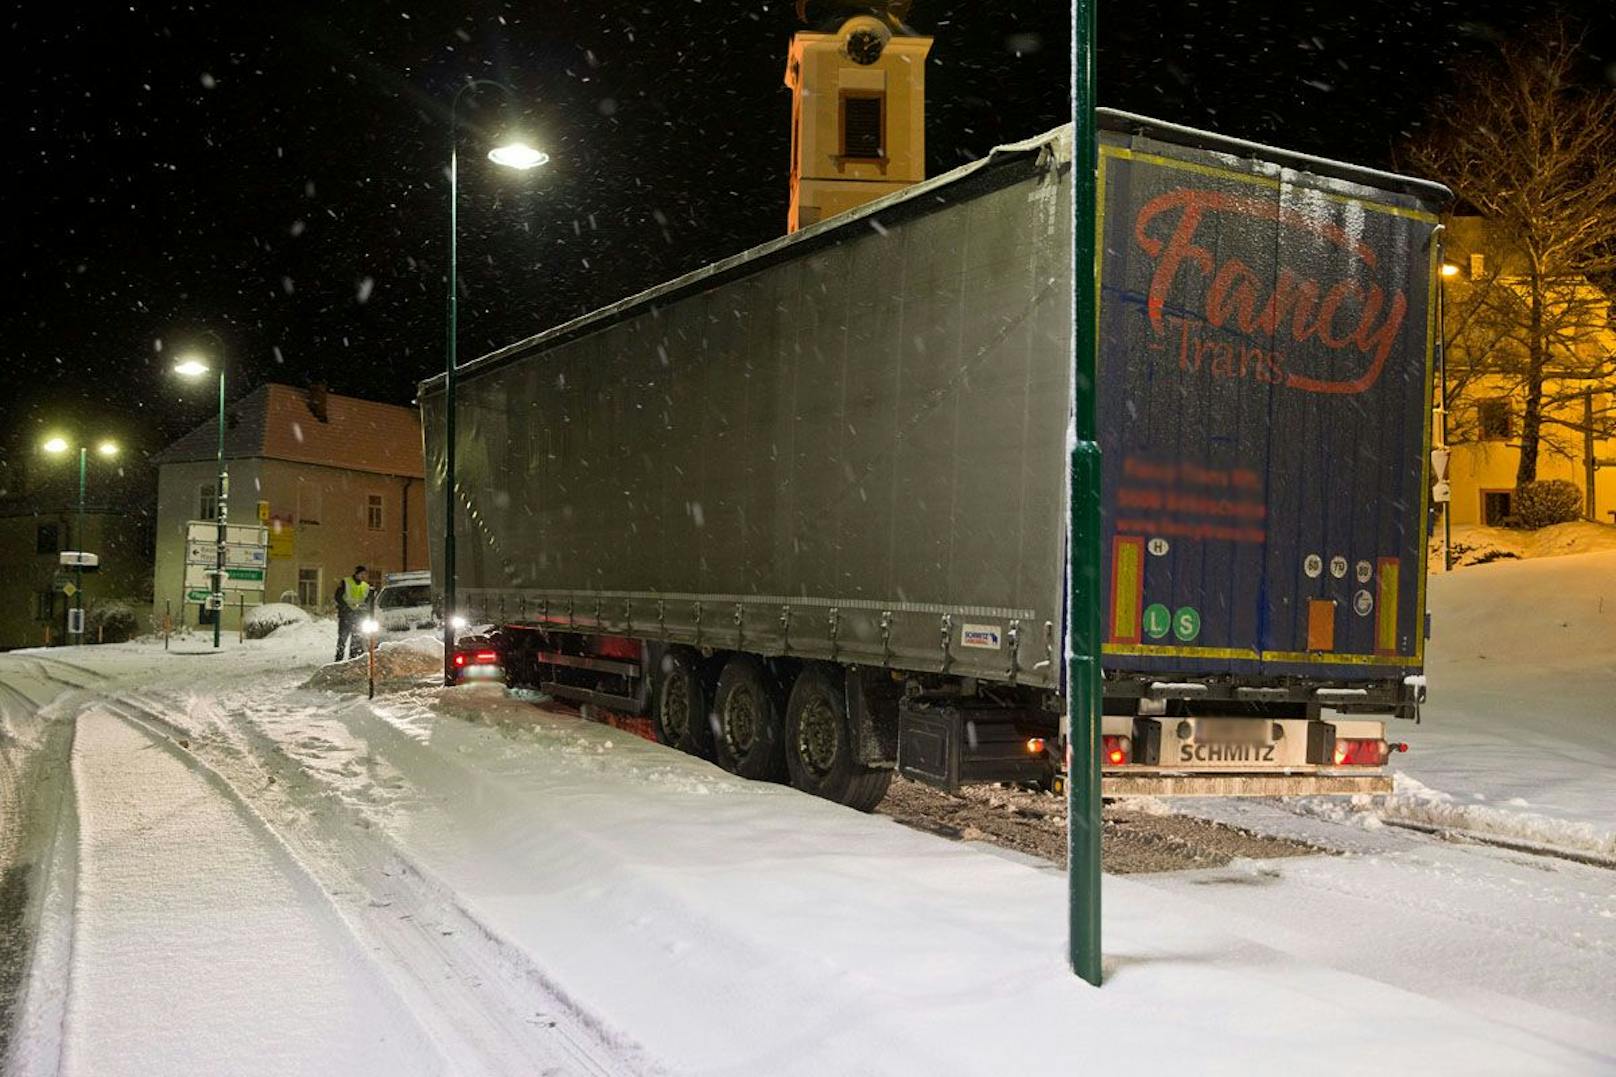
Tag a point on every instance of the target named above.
point(198, 938)
point(477, 994)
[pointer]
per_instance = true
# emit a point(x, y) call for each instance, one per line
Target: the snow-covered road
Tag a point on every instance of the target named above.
point(244, 874)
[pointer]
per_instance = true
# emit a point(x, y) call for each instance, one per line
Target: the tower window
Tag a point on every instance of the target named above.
point(864, 126)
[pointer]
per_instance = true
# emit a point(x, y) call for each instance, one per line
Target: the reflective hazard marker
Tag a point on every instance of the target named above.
point(1127, 587)
point(1386, 619)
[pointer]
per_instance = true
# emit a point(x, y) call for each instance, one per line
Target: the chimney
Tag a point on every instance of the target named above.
point(858, 107)
point(318, 400)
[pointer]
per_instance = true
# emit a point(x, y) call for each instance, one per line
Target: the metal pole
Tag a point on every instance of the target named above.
point(1442, 359)
point(449, 403)
point(1590, 466)
point(222, 512)
point(1083, 609)
point(78, 540)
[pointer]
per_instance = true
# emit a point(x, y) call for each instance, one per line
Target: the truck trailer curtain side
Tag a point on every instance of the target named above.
point(849, 446)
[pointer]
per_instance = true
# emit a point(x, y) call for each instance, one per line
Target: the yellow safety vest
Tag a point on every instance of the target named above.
point(354, 592)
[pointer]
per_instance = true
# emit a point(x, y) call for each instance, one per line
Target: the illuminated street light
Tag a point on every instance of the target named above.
point(56, 446)
point(1449, 269)
point(191, 366)
point(518, 155)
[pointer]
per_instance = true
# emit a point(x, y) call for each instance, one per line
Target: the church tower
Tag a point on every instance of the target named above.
point(858, 108)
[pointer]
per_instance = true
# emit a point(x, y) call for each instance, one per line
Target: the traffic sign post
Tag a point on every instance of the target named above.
point(224, 560)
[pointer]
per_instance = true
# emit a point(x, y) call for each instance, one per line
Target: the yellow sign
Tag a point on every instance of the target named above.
point(69, 590)
point(282, 538)
point(263, 512)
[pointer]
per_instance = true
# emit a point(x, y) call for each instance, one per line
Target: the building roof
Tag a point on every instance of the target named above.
point(279, 422)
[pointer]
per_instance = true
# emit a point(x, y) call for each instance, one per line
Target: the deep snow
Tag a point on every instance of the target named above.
point(266, 867)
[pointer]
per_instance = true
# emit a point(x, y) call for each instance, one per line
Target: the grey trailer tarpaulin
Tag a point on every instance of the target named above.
point(849, 444)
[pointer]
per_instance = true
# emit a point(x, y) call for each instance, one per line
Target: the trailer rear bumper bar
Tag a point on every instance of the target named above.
point(1243, 785)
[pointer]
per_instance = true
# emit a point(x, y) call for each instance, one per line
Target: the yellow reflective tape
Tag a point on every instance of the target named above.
point(1386, 612)
point(1126, 584)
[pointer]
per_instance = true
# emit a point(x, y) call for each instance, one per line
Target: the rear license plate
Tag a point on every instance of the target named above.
point(1230, 731)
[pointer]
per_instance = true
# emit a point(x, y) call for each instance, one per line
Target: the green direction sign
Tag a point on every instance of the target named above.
point(1157, 620)
point(195, 595)
point(1187, 623)
point(244, 573)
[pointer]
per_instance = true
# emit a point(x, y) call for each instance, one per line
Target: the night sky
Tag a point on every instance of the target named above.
point(276, 172)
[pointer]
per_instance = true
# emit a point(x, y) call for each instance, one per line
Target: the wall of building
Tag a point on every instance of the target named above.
point(1479, 466)
point(124, 575)
point(320, 523)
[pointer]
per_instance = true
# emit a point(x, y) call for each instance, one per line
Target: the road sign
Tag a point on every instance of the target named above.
point(75, 622)
point(236, 554)
point(235, 579)
point(69, 590)
point(87, 562)
point(197, 594)
point(239, 534)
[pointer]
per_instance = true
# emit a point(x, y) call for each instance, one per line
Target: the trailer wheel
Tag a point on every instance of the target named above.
point(748, 735)
point(821, 748)
point(680, 715)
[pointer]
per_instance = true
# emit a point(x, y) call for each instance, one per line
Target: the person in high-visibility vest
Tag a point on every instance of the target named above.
point(353, 599)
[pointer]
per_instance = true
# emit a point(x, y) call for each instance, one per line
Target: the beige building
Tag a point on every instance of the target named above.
point(1483, 292)
point(336, 480)
point(858, 115)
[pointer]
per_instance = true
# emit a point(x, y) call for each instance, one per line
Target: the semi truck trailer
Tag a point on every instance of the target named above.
point(804, 511)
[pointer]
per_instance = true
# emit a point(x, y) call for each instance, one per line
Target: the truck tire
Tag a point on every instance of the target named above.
point(679, 713)
point(821, 749)
point(748, 733)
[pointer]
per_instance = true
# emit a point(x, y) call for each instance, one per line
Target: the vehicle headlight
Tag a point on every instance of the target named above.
point(369, 626)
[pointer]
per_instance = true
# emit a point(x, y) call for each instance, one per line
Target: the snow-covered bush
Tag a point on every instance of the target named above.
point(111, 622)
point(1552, 501)
point(272, 615)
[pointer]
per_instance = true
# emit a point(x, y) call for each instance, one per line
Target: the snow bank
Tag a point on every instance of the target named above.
point(400, 664)
point(1474, 544)
point(1519, 736)
point(272, 615)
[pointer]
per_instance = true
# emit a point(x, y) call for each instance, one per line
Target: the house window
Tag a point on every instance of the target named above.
point(864, 126)
point(207, 502)
point(308, 587)
point(45, 606)
point(1493, 419)
point(1495, 507)
point(373, 512)
point(47, 539)
point(1478, 266)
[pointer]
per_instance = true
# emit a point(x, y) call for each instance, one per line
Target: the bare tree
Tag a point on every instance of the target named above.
point(1530, 148)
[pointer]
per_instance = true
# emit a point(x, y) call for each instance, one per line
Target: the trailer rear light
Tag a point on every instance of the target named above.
point(1035, 745)
point(483, 658)
point(1115, 749)
point(1360, 753)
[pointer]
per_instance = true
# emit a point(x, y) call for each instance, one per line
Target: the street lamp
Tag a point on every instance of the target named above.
point(518, 155)
point(194, 366)
point(108, 449)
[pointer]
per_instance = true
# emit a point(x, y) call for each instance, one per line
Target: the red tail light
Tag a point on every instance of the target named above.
point(1360, 753)
point(460, 659)
point(1115, 750)
point(485, 658)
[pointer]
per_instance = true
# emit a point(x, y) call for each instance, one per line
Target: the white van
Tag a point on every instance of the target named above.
point(404, 603)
